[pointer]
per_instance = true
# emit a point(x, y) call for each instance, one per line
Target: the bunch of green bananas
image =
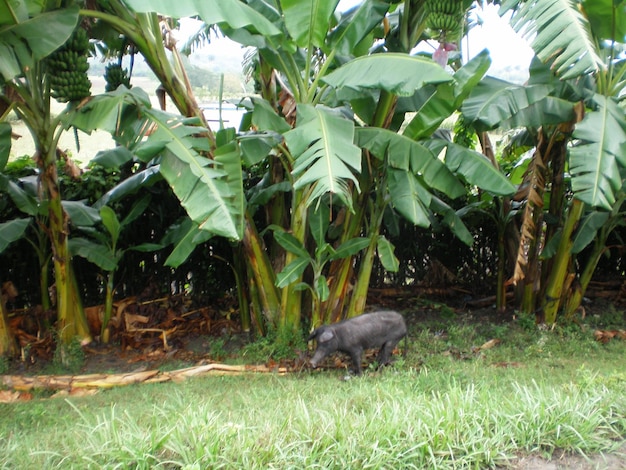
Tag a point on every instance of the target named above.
point(464, 134)
point(445, 17)
point(67, 69)
point(115, 75)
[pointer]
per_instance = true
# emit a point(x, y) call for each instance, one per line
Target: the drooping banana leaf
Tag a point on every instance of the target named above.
point(96, 253)
point(210, 192)
point(405, 154)
point(30, 39)
point(409, 197)
point(355, 25)
point(433, 108)
point(81, 214)
point(12, 231)
point(24, 200)
point(557, 31)
point(473, 166)
point(595, 163)
point(373, 72)
point(132, 184)
point(185, 237)
point(231, 13)
point(498, 104)
point(386, 254)
point(452, 220)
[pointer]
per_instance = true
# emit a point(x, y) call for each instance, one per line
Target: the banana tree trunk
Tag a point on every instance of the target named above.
point(575, 297)
point(262, 273)
point(291, 303)
point(500, 283)
point(358, 298)
point(8, 345)
point(341, 271)
point(108, 309)
point(71, 317)
point(554, 288)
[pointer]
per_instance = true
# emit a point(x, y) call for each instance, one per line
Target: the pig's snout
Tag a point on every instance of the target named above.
point(316, 359)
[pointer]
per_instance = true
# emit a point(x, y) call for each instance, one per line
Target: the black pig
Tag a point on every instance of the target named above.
point(383, 329)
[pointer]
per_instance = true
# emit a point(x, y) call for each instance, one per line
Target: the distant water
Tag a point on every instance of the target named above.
point(231, 115)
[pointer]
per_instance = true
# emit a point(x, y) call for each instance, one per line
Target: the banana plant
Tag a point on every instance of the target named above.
point(102, 249)
point(26, 90)
point(578, 47)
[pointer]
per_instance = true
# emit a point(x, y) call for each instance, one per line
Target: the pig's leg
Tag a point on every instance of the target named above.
point(385, 353)
point(356, 355)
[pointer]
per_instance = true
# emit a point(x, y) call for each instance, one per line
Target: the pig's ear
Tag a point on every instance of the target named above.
point(327, 335)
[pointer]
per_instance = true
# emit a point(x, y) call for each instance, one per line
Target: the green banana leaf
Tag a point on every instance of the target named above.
point(230, 13)
point(321, 287)
point(13, 12)
point(211, 195)
point(307, 20)
point(405, 154)
point(21, 197)
point(265, 118)
point(557, 30)
point(12, 231)
point(130, 185)
point(290, 243)
point(185, 237)
point(595, 163)
point(473, 166)
point(386, 254)
point(111, 223)
point(114, 112)
point(354, 26)
point(409, 197)
point(607, 18)
point(434, 106)
point(26, 42)
point(113, 158)
point(373, 72)
point(94, 252)
point(5, 144)
point(81, 214)
point(452, 220)
point(319, 220)
point(324, 152)
point(587, 230)
point(349, 248)
point(498, 104)
point(292, 272)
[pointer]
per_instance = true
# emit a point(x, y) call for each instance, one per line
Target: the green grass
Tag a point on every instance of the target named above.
point(433, 409)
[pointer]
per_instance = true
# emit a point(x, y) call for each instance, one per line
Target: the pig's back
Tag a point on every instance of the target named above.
point(372, 330)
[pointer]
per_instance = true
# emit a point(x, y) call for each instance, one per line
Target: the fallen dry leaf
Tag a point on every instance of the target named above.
point(604, 336)
point(8, 396)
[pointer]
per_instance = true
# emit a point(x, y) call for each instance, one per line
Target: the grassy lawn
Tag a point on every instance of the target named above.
point(444, 405)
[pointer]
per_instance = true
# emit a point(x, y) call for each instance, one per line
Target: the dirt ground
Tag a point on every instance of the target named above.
point(613, 461)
